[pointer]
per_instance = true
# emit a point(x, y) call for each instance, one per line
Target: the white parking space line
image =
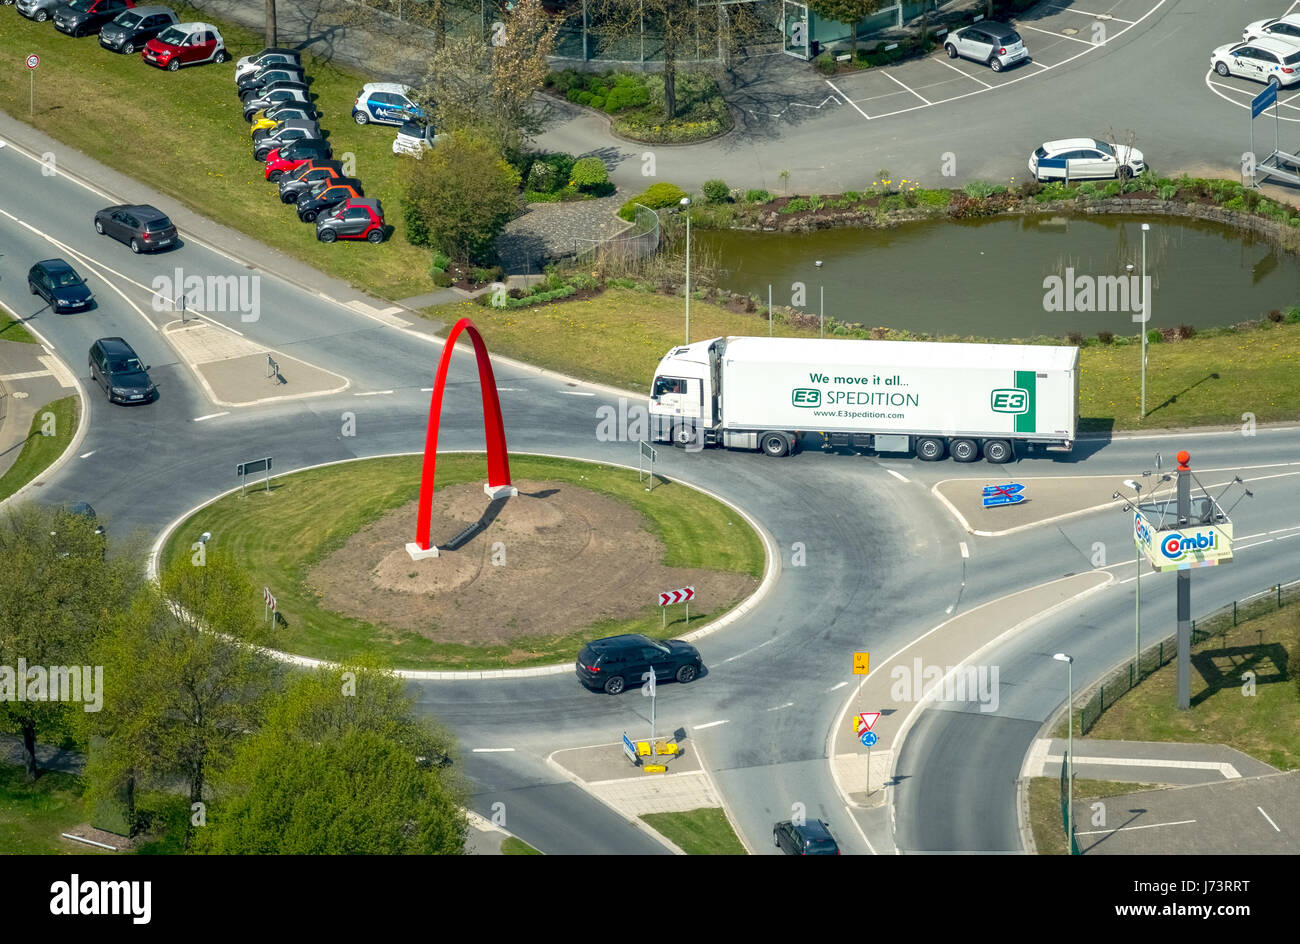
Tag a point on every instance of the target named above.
point(710, 724)
point(1126, 829)
point(907, 88)
point(1218, 88)
point(209, 416)
point(849, 100)
point(960, 72)
point(1267, 817)
point(1095, 16)
point(1086, 42)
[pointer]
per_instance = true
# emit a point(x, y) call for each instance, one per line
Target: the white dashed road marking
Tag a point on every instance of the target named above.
point(711, 724)
point(209, 416)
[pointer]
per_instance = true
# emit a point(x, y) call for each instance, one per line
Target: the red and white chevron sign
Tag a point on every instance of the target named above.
point(676, 596)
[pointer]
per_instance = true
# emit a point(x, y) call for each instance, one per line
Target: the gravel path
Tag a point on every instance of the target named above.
point(549, 231)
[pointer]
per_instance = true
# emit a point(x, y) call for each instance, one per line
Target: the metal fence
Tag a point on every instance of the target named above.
point(1218, 623)
point(638, 241)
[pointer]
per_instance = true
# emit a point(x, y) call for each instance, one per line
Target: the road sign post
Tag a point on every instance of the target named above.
point(669, 597)
point(646, 451)
point(245, 469)
point(32, 62)
point(861, 663)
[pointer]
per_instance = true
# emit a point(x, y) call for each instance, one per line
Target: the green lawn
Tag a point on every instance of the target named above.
point(705, 831)
point(188, 139)
point(11, 330)
point(279, 535)
point(32, 815)
point(619, 336)
point(1045, 807)
point(513, 846)
point(40, 451)
point(1265, 726)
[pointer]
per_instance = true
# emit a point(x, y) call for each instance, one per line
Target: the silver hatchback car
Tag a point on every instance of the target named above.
point(38, 10)
point(996, 44)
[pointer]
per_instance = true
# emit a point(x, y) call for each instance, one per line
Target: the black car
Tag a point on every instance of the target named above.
point(131, 29)
point(290, 111)
point(250, 95)
point(613, 663)
point(83, 17)
point(812, 838)
point(124, 377)
point(284, 134)
point(140, 226)
point(269, 76)
point(60, 285)
point(296, 184)
point(325, 194)
point(276, 95)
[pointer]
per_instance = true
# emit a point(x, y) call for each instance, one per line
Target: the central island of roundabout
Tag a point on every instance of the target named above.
point(580, 552)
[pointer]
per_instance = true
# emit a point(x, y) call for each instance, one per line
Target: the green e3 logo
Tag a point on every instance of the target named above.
point(806, 396)
point(1009, 400)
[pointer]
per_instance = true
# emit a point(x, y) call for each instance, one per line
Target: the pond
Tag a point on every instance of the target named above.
point(1013, 277)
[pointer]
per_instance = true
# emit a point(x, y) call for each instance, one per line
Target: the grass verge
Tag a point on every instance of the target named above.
point(39, 451)
point(705, 831)
point(280, 535)
point(1045, 807)
point(618, 337)
point(12, 330)
point(513, 846)
point(32, 815)
point(86, 95)
point(1265, 725)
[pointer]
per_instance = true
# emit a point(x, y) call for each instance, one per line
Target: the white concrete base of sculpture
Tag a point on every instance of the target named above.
point(500, 491)
point(418, 553)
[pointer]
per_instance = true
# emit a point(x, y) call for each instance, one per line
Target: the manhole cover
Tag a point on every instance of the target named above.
point(1069, 31)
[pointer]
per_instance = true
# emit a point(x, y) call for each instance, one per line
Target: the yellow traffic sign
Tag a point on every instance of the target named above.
point(861, 662)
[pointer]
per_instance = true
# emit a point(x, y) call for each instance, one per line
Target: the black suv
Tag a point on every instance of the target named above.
point(115, 367)
point(812, 838)
point(613, 663)
point(60, 285)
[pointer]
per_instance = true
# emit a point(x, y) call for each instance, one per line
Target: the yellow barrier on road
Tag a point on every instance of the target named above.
point(666, 747)
point(654, 768)
point(643, 749)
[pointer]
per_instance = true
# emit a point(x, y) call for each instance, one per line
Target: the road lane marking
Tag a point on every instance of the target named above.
point(577, 393)
point(711, 724)
point(209, 416)
point(1122, 829)
point(788, 704)
point(87, 455)
point(493, 750)
point(898, 475)
point(748, 651)
point(965, 551)
point(1267, 817)
point(373, 393)
point(27, 375)
point(836, 688)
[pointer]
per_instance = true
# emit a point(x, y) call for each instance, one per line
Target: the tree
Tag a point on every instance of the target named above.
point(849, 12)
point(488, 85)
point(463, 193)
point(183, 684)
point(270, 23)
point(341, 766)
point(59, 593)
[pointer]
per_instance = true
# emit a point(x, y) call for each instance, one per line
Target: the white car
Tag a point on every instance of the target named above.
point(1263, 60)
point(272, 55)
point(414, 138)
point(1085, 158)
point(996, 44)
point(1285, 28)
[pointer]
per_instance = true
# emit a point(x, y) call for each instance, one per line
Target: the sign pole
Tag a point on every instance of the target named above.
point(1184, 588)
point(1137, 621)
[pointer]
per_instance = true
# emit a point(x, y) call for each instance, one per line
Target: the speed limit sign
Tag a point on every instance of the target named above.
point(33, 61)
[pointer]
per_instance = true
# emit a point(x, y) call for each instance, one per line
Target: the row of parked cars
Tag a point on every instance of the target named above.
point(285, 127)
point(1269, 52)
point(156, 31)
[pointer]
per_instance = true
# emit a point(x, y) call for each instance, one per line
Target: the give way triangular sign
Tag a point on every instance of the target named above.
point(866, 721)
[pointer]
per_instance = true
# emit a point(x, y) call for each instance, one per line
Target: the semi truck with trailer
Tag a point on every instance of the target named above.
point(928, 398)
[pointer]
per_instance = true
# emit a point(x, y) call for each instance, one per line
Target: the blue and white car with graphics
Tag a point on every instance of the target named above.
point(1262, 59)
point(385, 103)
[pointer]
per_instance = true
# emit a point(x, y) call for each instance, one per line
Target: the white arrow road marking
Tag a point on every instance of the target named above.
point(1123, 829)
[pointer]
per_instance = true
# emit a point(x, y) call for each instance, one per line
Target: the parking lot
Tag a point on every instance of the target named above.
point(1055, 34)
point(1239, 91)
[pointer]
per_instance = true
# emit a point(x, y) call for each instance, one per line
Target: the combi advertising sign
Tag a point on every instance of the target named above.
point(1182, 548)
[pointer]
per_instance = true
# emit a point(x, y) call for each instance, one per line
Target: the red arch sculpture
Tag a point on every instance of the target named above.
point(498, 483)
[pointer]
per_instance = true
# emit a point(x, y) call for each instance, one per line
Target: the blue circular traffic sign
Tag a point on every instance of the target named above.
point(868, 738)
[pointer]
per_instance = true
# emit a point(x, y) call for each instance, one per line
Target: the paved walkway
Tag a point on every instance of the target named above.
point(30, 378)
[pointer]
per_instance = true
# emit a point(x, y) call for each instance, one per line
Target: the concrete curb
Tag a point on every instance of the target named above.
point(735, 613)
point(83, 421)
point(636, 821)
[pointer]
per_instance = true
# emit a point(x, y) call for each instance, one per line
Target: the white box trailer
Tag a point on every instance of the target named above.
point(931, 398)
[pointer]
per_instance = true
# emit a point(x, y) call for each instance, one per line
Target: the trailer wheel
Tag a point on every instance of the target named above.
point(997, 451)
point(683, 434)
point(775, 444)
point(964, 450)
point(929, 449)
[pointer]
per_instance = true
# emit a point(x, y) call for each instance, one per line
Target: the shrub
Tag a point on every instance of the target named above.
point(797, 205)
point(541, 177)
point(597, 102)
point(978, 189)
point(1086, 189)
point(491, 274)
point(1029, 187)
point(1276, 316)
point(417, 233)
point(757, 196)
point(441, 279)
point(656, 197)
point(589, 173)
point(1112, 189)
point(575, 95)
point(1186, 331)
point(1106, 337)
point(1154, 336)
point(716, 191)
point(826, 63)
point(441, 260)
point(895, 201)
point(1293, 317)
point(1075, 338)
point(934, 198)
point(853, 196)
point(1166, 191)
point(628, 92)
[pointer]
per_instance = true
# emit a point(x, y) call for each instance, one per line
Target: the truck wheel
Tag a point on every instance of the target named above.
point(997, 451)
point(775, 444)
point(964, 450)
point(683, 435)
point(929, 449)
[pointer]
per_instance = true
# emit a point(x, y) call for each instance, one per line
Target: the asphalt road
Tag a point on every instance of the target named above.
point(883, 563)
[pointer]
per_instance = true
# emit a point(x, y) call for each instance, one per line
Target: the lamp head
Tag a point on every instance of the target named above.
point(1062, 657)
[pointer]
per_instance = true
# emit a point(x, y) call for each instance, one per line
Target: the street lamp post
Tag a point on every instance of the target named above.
point(821, 296)
point(1137, 619)
point(686, 202)
point(1146, 316)
point(1069, 749)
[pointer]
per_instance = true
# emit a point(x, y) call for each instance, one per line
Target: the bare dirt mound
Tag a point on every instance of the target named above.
point(549, 561)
